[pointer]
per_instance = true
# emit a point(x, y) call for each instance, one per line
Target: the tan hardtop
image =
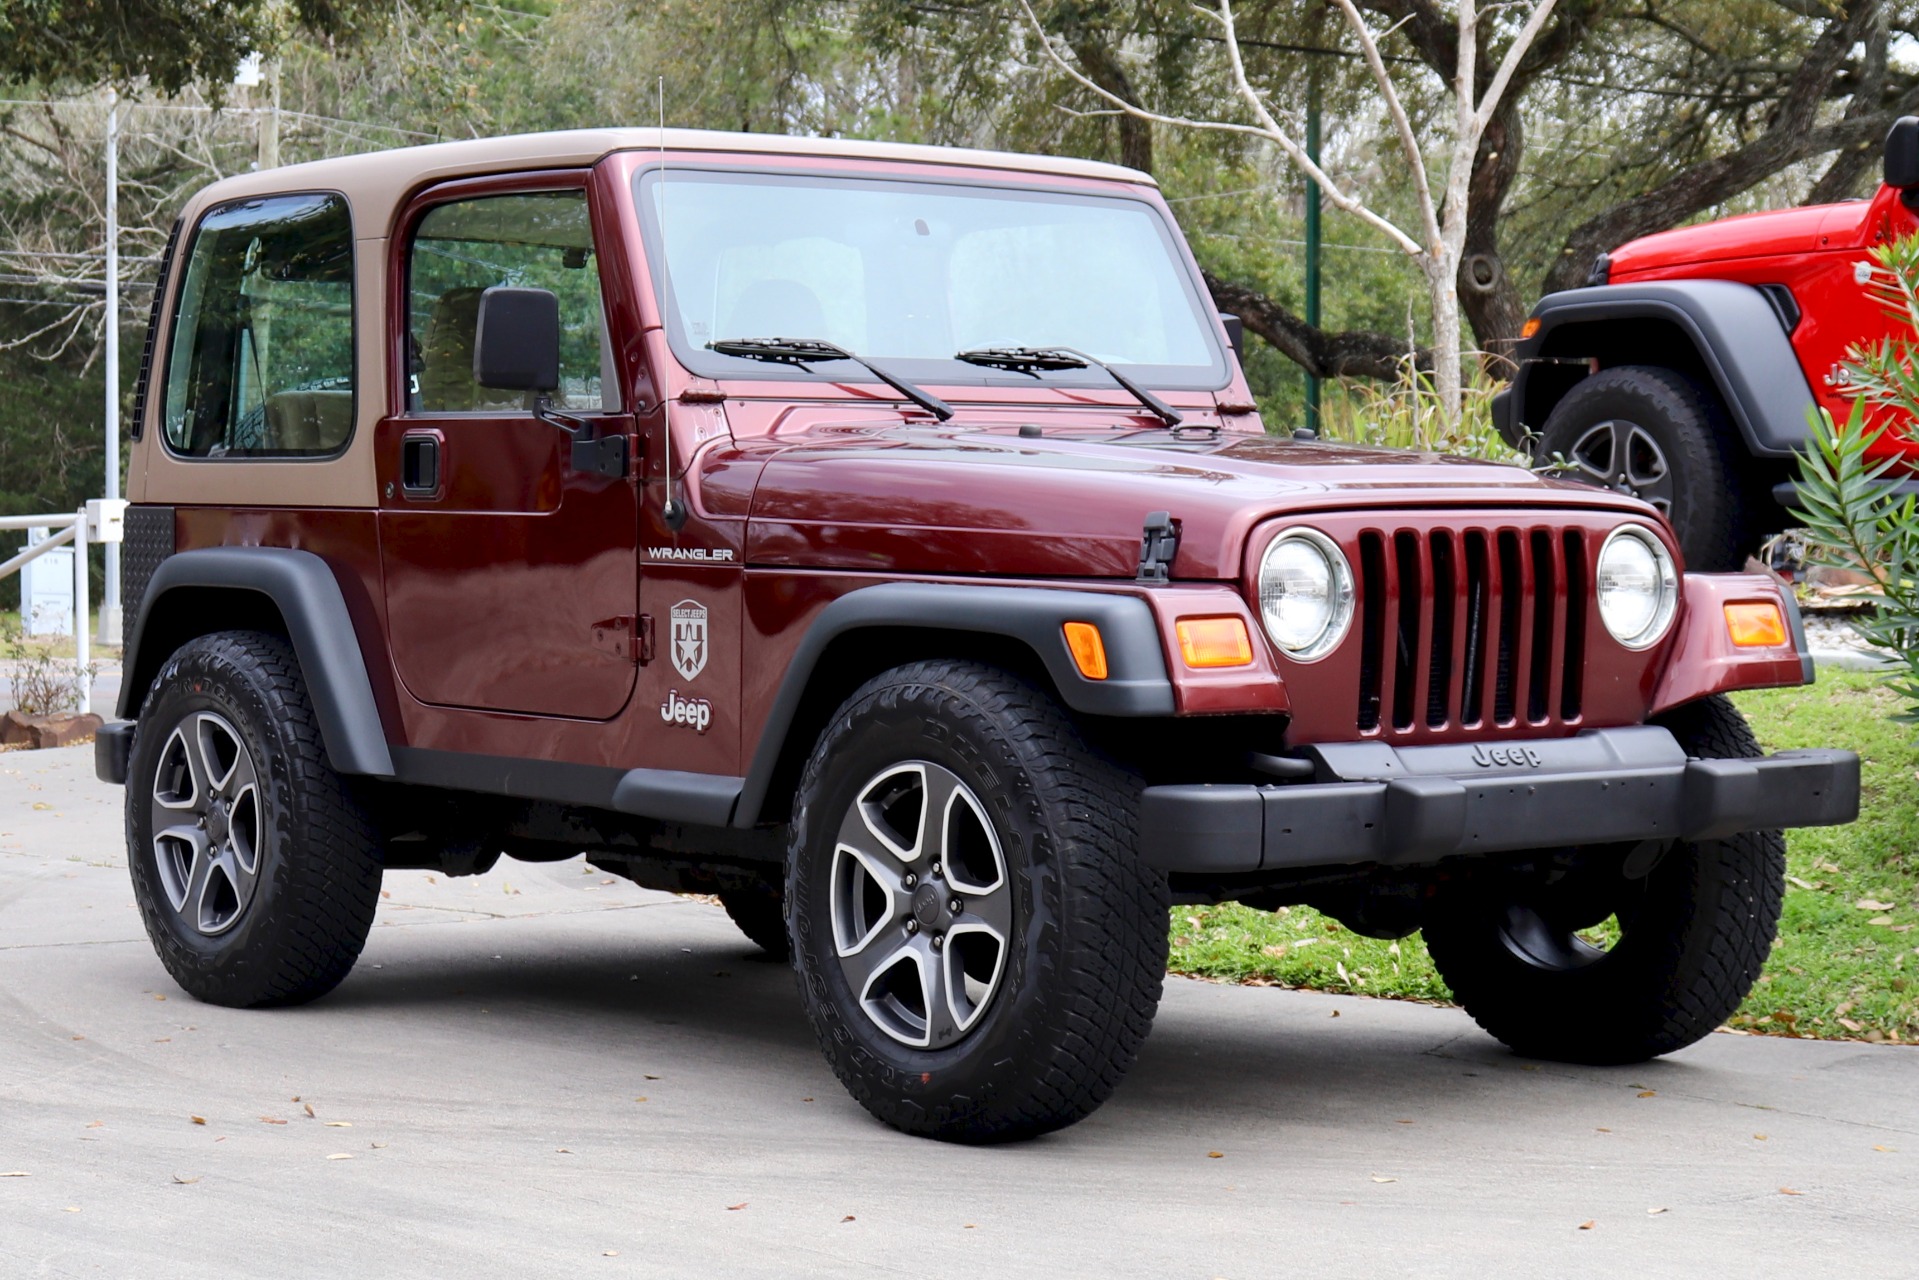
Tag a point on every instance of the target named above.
point(376, 182)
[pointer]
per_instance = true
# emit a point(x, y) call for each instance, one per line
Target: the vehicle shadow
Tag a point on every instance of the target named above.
point(1216, 1055)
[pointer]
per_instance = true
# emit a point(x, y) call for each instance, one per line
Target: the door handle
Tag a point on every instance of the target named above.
point(420, 465)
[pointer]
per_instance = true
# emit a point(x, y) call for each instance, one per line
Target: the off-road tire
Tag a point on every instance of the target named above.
point(760, 915)
point(1704, 926)
point(1084, 965)
point(319, 862)
point(1711, 478)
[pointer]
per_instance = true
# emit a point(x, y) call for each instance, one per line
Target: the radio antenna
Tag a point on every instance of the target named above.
point(673, 510)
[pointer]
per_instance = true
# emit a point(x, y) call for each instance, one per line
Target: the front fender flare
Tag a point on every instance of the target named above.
point(1137, 683)
point(1734, 328)
point(303, 589)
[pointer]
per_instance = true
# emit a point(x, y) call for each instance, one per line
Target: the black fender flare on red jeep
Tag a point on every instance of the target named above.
point(1733, 337)
point(243, 588)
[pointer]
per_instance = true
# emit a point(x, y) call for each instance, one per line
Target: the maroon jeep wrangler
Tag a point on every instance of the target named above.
point(883, 539)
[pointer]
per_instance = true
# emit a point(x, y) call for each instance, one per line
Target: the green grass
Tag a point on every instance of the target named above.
point(1838, 970)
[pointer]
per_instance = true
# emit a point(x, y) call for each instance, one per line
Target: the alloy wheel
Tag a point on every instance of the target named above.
point(206, 822)
point(1622, 455)
point(922, 907)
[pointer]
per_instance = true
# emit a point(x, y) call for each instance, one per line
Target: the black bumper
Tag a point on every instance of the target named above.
point(1369, 802)
point(111, 744)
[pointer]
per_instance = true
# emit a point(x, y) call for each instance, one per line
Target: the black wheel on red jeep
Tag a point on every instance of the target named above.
point(761, 916)
point(255, 869)
point(1529, 958)
point(1654, 433)
point(978, 947)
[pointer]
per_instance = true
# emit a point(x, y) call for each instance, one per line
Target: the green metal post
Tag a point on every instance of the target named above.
point(1312, 247)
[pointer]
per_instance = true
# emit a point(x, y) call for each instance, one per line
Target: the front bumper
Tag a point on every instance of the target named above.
point(1373, 803)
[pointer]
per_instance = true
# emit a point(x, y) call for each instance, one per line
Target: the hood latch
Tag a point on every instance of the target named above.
point(1158, 547)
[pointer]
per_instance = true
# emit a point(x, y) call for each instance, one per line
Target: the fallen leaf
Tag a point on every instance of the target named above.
point(509, 888)
point(377, 1146)
point(1215, 1155)
point(158, 996)
point(1849, 1024)
point(1795, 880)
point(1873, 904)
point(1380, 1177)
point(1661, 1209)
point(1589, 1224)
point(340, 1155)
point(97, 1124)
point(609, 1253)
point(1788, 1191)
point(1648, 1093)
point(271, 1120)
point(805, 1099)
point(309, 1109)
point(79, 1037)
point(972, 1226)
point(72, 1208)
point(40, 804)
point(339, 1124)
point(650, 1077)
point(1885, 1148)
point(1881, 920)
point(732, 1208)
point(847, 1218)
point(641, 1098)
point(16, 1173)
point(562, 1151)
point(198, 1119)
point(388, 893)
point(1758, 1137)
point(1402, 1122)
point(1602, 1131)
point(1335, 1013)
point(185, 1182)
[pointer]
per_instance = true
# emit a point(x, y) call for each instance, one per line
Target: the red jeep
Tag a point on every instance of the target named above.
point(883, 539)
point(1688, 372)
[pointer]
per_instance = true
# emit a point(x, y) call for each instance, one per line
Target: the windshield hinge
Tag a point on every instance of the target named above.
point(1158, 547)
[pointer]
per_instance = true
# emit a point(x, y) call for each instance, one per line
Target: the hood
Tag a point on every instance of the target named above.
point(1072, 503)
point(1748, 235)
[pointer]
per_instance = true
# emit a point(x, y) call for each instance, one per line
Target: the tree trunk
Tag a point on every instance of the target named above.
point(1486, 291)
point(1104, 69)
point(1443, 289)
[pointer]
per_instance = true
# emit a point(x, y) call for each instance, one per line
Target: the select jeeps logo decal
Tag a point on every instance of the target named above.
point(701, 555)
point(696, 713)
point(1513, 757)
point(688, 638)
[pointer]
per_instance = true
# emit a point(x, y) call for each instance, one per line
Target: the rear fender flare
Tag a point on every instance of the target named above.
point(302, 588)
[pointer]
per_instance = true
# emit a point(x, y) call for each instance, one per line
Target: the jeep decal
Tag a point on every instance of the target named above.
point(689, 638)
point(694, 712)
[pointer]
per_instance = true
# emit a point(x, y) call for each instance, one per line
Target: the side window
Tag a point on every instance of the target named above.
point(542, 240)
point(260, 363)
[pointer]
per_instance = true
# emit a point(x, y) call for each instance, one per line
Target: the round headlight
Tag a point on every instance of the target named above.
point(1305, 593)
point(1638, 587)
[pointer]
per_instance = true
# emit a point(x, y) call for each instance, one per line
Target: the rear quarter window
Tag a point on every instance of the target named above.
point(261, 361)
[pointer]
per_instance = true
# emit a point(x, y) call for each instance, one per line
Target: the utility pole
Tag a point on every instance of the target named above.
point(110, 617)
point(1312, 243)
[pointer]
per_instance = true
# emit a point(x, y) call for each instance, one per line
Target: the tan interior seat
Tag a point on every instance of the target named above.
point(446, 358)
point(308, 421)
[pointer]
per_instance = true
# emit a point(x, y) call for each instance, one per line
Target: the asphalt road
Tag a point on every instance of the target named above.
point(538, 1073)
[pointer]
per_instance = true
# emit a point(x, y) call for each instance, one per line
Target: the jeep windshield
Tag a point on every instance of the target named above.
point(913, 272)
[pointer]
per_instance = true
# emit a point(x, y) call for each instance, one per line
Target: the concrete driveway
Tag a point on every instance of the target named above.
point(540, 1073)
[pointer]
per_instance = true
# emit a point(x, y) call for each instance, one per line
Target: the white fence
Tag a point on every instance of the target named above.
point(101, 520)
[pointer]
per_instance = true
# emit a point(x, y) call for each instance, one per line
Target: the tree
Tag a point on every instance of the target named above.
point(1436, 242)
point(169, 44)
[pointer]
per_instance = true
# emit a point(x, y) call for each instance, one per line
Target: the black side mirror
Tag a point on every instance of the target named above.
point(516, 341)
point(1236, 332)
point(1902, 153)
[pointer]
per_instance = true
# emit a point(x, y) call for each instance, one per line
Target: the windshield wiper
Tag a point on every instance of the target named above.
point(1029, 359)
point(805, 351)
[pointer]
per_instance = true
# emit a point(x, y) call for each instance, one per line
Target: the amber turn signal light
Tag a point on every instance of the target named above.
point(1528, 329)
point(1088, 649)
point(1214, 642)
point(1755, 625)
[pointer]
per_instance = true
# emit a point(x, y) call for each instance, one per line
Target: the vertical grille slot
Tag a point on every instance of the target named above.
point(1509, 593)
point(1440, 694)
point(1576, 592)
point(1406, 647)
point(1545, 611)
point(1372, 623)
point(1478, 623)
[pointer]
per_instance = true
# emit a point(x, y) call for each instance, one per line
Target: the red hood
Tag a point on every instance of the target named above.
point(1071, 503)
point(1748, 235)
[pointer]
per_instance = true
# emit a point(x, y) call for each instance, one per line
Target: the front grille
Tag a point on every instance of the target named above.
point(1470, 627)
